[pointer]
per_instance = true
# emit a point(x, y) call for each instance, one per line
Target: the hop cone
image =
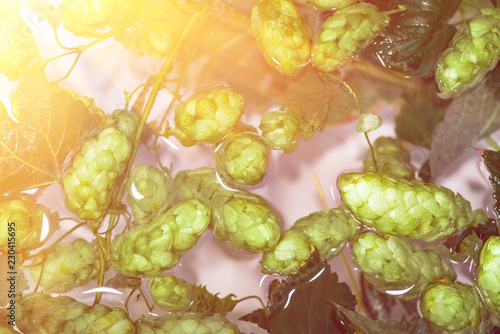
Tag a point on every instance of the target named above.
point(451, 307)
point(293, 249)
point(246, 221)
point(282, 129)
point(322, 5)
point(345, 33)
point(148, 191)
point(174, 294)
point(39, 313)
point(200, 183)
point(392, 158)
point(148, 250)
point(406, 207)
point(208, 117)
point(26, 218)
point(192, 323)
point(281, 35)
point(472, 53)
point(242, 158)
point(488, 277)
point(89, 18)
point(125, 121)
point(67, 266)
point(100, 319)
point(89, 183)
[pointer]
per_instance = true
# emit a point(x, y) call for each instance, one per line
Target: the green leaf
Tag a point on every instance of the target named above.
point(45, 11)
point(468, 118)
point(258, 317)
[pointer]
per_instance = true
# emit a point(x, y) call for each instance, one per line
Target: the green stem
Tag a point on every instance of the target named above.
point(102, 267)
point(493, 144)
point(252, 297)
point(401, 8)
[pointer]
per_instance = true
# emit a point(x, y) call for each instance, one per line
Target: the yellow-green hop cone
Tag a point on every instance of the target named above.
point(148, 192)
point(199, 183)
point(451, 308)
point(90, 182)
point(406, 207)
point(147, 250)
point(246, 221)
point(100, 319)
point(282, 129)
point(125, 121)
point(242, 158)
point(328, 232)
point(323, 5)
point(26, 219)
point(208, 117)
point(392, 158)
point(39, 313)
point(293, 249)
point(488, 275)
point(281, 35)
point(183, 323)
point(473, 52)
point(345, 34)
point(174, 294)
point(66, 266)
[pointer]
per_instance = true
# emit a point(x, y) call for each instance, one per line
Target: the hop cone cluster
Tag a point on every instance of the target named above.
point(242, 158)
point(488, 274)
point(90, 182)
point(89, 18)
point(322, 5)
point(192, 323)
point(208, 117)
point(472, 53)
point(345, 33)
point(148, 250)
point(26, 219)
point(281, 35)
point(148, 192)
point(451, 307)
point(392, 158)
point(174, 294)
point(66, 266)
point(100, 319)
point(282, 129)
point(406, 207)
point(327, 232)
point(394, 263)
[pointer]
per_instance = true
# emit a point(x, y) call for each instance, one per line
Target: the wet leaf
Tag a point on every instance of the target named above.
point(492, 162)
point(36, 149)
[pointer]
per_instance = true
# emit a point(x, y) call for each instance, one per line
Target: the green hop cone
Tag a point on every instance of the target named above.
point(207, 117)
point(39, 313)
point(293, 249)
point(100, 319)
point(66, 266)
point(174, 294)
point(148, 192)
point(345, 34)
point(281, 35)
point(147, 250)
point(199, 183)
point(406, 207)
point(96, 169)
point(242, 158)
point(451, 307)
point(246, 221)
point(488, 275)
point(192, 323)
point(473, 52)
point(392, 158)
point(282, 129)
point(125, 121)
point(323, 5)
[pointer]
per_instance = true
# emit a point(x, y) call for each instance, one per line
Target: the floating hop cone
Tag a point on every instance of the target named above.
point(473, 52)
point(281, 35)
point(452, 308)
point(27, 219)
point(282, 129)
point(392, 158)
point(322, 5)
point(245, 220)
point(67, 266)
point(90, 182)
point(148, 192)
point(192, 323)
point(89, 18)
point(208, 117)
point(406, 207)
point(173, 294)
point(242, 158)
point(345, 34)
point(488, 275)
point(199, 183)
point(150, 249)
point(100, 319)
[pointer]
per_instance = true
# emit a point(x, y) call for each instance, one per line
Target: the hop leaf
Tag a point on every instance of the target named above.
point(492, 163)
